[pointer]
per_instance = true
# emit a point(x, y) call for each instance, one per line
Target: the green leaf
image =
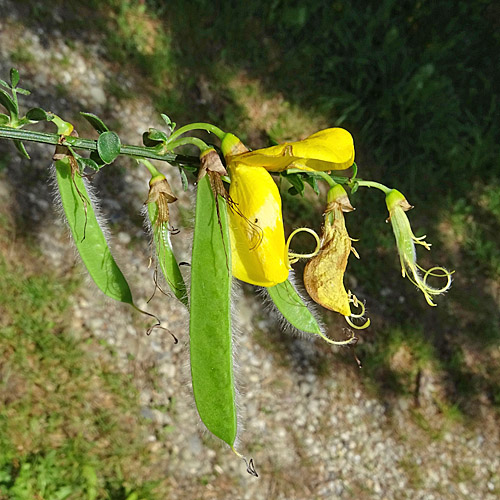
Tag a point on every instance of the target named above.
point(95, 121)
point(210, 319)
point(293, 308)
point(8, 103)
point(19, 90)
point(296, 181)
point(184, 179)
point(166, 257)
point(87, 162)
point(20, 147)
point(94, 156)
point(157, 135)
point(148, 142)
point(37, 115)
point(14, 77)
point(88, 235)
point(313, 182)
point(3, 83)
point(108, 146)
point(354, 188)
point(4, 119)
point(166, 118)
point(170, 124)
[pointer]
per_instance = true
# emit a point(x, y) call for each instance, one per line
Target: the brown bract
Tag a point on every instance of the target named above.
point(161, 193)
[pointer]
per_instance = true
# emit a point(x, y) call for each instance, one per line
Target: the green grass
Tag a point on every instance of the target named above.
point(69, 422)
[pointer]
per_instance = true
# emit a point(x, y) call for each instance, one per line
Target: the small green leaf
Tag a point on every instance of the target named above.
point(94, 155)
point(157, 135)
point(166, 119)
point(354, 188)
point(3, 83)
point(87, 162)
point(19, 90)
point(293, 308)
point(108, 146)
point(37, 115)
point(170, 124)
point(313, 182)
point(296, 181)
point(96, 122)
point(184, 179)
point(8, 103)
point(148, 142)
point(20, 147)
point(14, 77)
point(210, 320)
point(4, 119)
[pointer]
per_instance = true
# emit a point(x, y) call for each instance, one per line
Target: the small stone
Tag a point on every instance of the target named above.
point(124, 238)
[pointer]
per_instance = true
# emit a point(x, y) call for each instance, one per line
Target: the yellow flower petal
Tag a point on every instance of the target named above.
point(330, 149)
point(256, 227)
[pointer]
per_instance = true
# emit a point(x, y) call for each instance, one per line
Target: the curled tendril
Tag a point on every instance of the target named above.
point(354, 300)
point(293, 257)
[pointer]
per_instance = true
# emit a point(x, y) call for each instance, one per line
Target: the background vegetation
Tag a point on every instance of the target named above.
point(417, 85)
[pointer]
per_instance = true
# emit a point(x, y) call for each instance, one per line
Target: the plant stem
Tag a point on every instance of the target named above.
point(91, 145)
point(374, 184)
point(198, 126)
point(194, 141)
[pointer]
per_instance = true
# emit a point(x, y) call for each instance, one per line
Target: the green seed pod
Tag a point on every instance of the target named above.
point(293, 308)
point(210, 319)
point(160, 195)
point(87, 232)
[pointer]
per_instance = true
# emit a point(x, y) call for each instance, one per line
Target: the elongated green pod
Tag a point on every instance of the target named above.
point(293, 308)
point(165, 255)
point(210, 320)
point(88, 234)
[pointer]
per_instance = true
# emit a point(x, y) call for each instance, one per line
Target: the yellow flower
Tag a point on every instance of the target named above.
point(258, 249)
point(256, 231)
point(256, 226)
point(330, 149)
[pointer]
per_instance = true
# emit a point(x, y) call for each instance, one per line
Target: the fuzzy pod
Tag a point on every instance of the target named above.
point(210, 328)
point(88, 235)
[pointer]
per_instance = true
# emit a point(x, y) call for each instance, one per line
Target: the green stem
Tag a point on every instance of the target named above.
point(332, 180)
point(91, 145)
point(152, 169)
point(373, 184)
point(316, 173)
point(194, 141)
point(198, 126)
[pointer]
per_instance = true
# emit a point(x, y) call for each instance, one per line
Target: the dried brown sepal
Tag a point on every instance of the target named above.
point(161, 193)
point(210, 162)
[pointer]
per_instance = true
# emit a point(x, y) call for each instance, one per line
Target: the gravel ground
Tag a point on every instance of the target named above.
point(311, 435)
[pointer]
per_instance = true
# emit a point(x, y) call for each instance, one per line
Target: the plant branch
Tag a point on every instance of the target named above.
point(91, 145)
